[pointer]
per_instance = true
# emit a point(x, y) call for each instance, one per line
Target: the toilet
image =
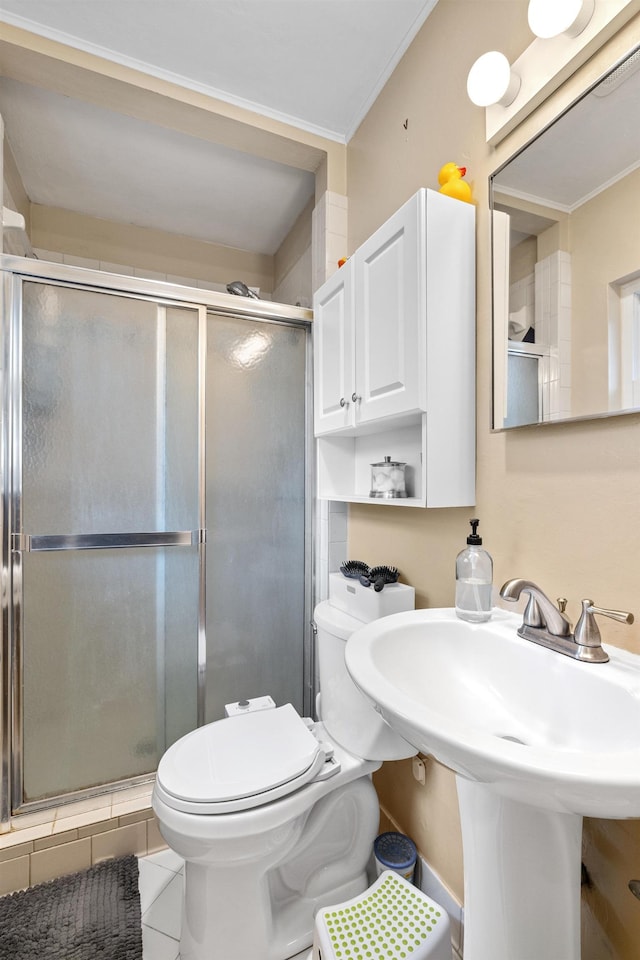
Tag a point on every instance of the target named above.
point(274, 814)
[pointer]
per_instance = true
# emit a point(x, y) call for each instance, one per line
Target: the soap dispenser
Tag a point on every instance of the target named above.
point(474, 578)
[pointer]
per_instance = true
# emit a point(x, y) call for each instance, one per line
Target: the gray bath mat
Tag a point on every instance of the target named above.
point(93, 915)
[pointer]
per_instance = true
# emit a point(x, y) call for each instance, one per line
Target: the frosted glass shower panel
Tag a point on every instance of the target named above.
point(106, 456)
point(108, 383)
point(109, 662)
point(178, 425)
point(524, 394)
point(255, 434)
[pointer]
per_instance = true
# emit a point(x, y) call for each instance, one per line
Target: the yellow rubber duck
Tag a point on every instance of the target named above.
point(452, 184)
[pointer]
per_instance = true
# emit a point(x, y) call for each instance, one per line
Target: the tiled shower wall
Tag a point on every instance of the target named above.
point(331, 543)
point(553, 327)
point(328, 236)
point(126, 270)
point(543, 300)
point(73, 837)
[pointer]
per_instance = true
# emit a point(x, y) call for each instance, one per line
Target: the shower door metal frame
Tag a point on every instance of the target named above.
point(16, 270)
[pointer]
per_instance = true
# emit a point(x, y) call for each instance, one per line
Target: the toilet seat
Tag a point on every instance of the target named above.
point(242, 762)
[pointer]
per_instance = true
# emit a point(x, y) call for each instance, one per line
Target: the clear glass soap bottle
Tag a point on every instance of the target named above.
point(474, 579)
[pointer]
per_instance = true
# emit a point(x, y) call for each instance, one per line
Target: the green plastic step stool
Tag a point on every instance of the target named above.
point(392, 920)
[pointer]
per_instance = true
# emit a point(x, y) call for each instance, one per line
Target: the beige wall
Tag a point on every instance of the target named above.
point(292, 262)
point(559, 504)
point(15, 192)
point(604, 243)
point(74, 234)
point(522, 262)
point(554, 239)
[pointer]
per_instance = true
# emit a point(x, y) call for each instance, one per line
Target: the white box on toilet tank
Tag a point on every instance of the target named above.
point(364, 603)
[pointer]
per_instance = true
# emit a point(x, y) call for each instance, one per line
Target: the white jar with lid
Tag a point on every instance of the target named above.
point(388, 479)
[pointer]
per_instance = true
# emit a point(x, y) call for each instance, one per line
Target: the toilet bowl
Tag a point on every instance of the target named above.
point(274, 814)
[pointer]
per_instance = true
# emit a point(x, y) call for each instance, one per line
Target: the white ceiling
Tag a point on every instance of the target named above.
point(317, 64)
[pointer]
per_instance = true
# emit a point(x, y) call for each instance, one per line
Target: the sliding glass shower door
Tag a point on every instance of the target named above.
point(256, 566)
point(106, 535)
point(155, 524)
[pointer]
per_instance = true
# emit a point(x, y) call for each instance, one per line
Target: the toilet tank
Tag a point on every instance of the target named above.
point(347, 715)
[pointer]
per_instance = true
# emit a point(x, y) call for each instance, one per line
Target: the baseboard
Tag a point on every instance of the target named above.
point(431, 884)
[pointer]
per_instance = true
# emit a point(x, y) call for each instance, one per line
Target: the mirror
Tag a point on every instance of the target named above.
point(566, 262)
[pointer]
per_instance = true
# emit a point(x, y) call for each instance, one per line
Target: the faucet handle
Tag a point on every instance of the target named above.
point(587, 632)
point(532, 615)
point(620, 615)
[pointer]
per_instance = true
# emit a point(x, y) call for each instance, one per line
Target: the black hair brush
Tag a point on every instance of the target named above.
point(354, 569)
point(378, 576)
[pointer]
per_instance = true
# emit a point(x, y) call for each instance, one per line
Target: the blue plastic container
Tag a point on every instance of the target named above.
point(394, 851)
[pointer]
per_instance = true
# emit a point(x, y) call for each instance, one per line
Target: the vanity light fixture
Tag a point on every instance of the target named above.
point(568, 33)
point(550, 18)
point(491, 80)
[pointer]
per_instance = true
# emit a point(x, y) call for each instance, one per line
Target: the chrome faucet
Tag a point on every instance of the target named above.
point(547, 625)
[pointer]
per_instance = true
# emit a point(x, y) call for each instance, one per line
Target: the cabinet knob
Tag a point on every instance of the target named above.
point(343, 402)
point(355, 397)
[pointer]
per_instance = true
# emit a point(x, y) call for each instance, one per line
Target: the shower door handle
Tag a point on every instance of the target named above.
point(30, 543)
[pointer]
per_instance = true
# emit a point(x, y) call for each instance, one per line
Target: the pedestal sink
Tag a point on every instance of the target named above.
point(537, 741)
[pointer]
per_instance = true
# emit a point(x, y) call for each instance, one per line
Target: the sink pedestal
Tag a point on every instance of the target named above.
point(522, 873)
point(508, 716)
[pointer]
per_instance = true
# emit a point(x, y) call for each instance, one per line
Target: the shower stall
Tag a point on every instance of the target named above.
point(156, 522)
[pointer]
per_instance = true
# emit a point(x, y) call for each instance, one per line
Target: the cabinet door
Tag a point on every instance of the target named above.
point(390, 322)
point(333, 350)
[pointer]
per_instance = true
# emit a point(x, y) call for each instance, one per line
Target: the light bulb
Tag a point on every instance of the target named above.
point(491, 80)
point(550, 18)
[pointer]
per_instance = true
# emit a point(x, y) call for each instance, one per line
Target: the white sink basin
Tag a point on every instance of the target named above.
point(537, 741)
point(536, 725)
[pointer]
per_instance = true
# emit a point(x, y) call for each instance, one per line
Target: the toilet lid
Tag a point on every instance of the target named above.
point(232, 763)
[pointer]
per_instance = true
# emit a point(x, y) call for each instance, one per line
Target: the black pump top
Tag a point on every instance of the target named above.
point(473, 538)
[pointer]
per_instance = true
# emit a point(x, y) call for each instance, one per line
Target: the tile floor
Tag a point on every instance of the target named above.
point(161, 904)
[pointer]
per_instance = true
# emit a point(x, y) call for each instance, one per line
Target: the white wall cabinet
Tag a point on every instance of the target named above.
point(394, 358)
point(334, 352)
point(389, 327)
